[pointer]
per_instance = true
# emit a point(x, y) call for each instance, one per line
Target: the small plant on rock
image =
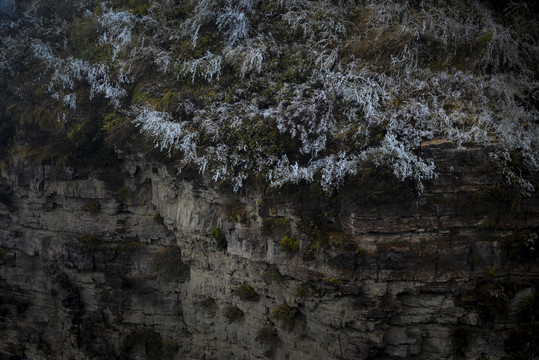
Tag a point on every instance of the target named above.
point(158, 219)
point(238, 213)
point(220, 238)
point(272, 275)
point(289, 244)
point(233, 314)
point(275, 226)
point(247, 293)
point(287, 315)
point(301, 290)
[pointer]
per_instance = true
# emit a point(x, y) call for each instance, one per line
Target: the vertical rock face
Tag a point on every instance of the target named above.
point(162, 267)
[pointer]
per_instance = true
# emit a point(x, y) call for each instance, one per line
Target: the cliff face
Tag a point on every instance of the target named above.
point(155, 266)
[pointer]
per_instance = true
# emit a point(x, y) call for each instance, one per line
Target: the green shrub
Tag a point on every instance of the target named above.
point(238, 213)
point(289, 244)
point(92, 207)
point(220, 238)
point(322, 236)
point(233, 314)
point(301, 290)
point(247, 293)
point(289, 316)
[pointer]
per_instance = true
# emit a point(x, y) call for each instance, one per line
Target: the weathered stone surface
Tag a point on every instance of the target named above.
point(381, 276)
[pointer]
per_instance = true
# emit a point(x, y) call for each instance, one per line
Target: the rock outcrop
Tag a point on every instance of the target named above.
point(158, 266)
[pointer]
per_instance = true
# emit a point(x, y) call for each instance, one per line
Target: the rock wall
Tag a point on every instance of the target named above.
point(156, 266)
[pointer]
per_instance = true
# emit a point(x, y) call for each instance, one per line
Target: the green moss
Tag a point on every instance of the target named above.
point(111, 121)
point(322, 236)
point(289, 244)
point(311, 229)
point(335, 282)
point(301, 290)
point(142, 96)
point(220, 238)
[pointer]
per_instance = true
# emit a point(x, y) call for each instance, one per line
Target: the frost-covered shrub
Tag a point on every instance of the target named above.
point(65, 72)
point(207, 67)
point(167, 133)
point(250, 57)
point(300, 91)
point(234, 24)
point(118, 27)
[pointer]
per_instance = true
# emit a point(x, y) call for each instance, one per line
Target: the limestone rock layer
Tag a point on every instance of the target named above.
point(164, 267)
